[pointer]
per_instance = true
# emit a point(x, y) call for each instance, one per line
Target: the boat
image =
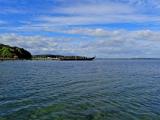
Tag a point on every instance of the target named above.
point(77, 58)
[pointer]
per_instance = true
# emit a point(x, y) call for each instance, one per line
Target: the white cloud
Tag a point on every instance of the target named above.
point(95, 9)
point(84, 12)
point(89, 20)
point(100, 42)
point(97, 13)
point(3, 22)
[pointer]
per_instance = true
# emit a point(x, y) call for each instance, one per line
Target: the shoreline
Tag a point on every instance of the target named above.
point(53, 59)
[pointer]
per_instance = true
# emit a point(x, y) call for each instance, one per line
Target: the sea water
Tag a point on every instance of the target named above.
point(105, 89)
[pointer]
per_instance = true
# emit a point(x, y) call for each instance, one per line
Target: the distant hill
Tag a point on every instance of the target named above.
point(47, 56)
point(60, 57)
point(8, 52)
point(15, 53)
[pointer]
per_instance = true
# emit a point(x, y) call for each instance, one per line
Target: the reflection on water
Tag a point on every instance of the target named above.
point(80, 90)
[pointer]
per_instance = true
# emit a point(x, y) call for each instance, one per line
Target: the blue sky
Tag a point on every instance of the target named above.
point(102, 28)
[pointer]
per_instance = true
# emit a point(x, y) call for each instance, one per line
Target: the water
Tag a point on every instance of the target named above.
point(80, 90)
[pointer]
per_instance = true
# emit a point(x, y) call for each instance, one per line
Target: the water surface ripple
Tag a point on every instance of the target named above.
point(80, 90)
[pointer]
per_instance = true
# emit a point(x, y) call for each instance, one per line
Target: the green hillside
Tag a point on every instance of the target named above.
point(7, 51)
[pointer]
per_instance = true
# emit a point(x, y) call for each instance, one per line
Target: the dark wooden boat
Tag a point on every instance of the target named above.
point(77, 58)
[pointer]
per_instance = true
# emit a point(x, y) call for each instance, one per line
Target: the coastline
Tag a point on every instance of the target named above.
point(53, 59)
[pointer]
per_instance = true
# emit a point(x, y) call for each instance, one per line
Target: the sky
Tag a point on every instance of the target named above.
point(101, 28)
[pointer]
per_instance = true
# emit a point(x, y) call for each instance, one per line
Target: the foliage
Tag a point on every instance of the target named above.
point(14, 52)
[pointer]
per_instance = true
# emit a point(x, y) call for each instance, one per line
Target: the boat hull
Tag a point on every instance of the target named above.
point(77, 59)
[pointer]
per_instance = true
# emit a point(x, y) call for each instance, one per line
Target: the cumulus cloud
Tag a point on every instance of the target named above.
point(100, 42)
point(84, 19)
